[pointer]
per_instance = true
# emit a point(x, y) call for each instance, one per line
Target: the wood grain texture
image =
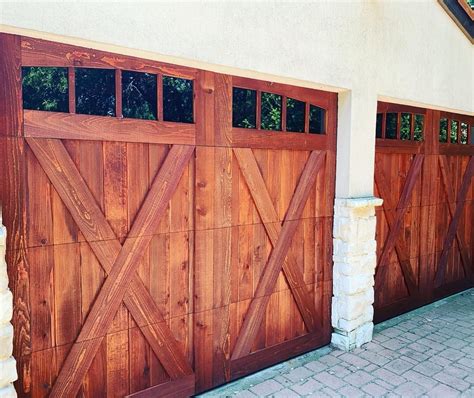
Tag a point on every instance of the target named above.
point(123, 291)
point(395, 222)
point(58, 125)
point(37, 52)
point(453, 226)
point(269, 217)
point(453, 207)
point(11, 115)
point(275, 263)
point(429, 233)
point(181, 388)
point(83, 208)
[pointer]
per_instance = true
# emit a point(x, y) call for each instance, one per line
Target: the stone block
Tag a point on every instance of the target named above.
point(350, 285)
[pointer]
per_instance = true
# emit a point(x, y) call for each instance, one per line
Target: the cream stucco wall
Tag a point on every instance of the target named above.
point(409, 51)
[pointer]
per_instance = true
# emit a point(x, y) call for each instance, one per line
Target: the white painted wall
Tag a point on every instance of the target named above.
point(410, 51)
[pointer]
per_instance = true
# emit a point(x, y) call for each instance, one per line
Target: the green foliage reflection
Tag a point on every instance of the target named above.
point(139, 95)
point(95, 91)
point(443, 130)
point(271, 111)
point(45, 89)
point(295, 112)
point(405, 126)
point(177, 100)
point(244, 108)
point(317, 120)
point(418, 128)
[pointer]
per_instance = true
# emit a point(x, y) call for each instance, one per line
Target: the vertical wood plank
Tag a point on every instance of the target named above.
point(118, 93)
point(71, 79)
point(11, 114)
point(223, 110)
point(117, 364)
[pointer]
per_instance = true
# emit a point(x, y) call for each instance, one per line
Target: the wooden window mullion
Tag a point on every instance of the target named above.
point(159, 97)
point(258, 116)
point(306, 118)
point(71, 77)
point(283, 113)
point(448, 130)
point(399, 124)
point(384, 124)
point(118, 93)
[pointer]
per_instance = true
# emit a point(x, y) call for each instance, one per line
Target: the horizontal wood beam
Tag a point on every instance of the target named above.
point(39, 124)
point(37, 52)
point(180, 388)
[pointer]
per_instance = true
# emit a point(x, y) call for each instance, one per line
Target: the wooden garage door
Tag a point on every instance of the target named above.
point(423, 171)
point(165, 256)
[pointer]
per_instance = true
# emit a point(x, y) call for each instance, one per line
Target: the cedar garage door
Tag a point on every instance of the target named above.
point(424, 170)
point(170, 229)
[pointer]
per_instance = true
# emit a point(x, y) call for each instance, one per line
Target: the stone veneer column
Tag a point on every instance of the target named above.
point(8, 372)
point(353, 273)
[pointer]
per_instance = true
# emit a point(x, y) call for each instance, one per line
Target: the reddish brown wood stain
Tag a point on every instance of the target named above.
point(425, 229)
point(138, 251)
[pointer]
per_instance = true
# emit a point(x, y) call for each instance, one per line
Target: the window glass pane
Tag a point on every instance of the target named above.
point(405, 126)
point(317, 120)
point(271, 111)
point(378, 126)
point(177, 100)
point(244, 108)
point(139, 95)
point(418, 128)
point(295, 115)
point(95, 91)
point(454, 131)
point(463, 137)
point(391, 125)
point(443, 130)
point(45, 89)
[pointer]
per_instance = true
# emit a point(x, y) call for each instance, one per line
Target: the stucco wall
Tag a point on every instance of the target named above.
point(402, 49)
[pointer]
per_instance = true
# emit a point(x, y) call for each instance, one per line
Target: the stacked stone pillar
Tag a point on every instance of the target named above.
point(354, 267)
point(8, 372)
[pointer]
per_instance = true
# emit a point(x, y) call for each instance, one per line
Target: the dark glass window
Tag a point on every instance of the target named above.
point(271, 111)
point(463, 136)
point(95, 91)
point(244, 108)
point(405, 126)
point(317, 120)
point(391, 125)
point(295, 113)
point(139, 96)
point(443, 130)
point(454, 131)
point(177, 100)
point(45, 89)
point(472, 134)
point(418, 128)
point(378, 126)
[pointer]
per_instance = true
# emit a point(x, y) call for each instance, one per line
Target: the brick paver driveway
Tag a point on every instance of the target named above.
point(427, 352)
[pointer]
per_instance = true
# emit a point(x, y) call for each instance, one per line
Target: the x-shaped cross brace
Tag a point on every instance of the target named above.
point(280, 237)
point(395, 222)
point(455, 213)
point(120, 262)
